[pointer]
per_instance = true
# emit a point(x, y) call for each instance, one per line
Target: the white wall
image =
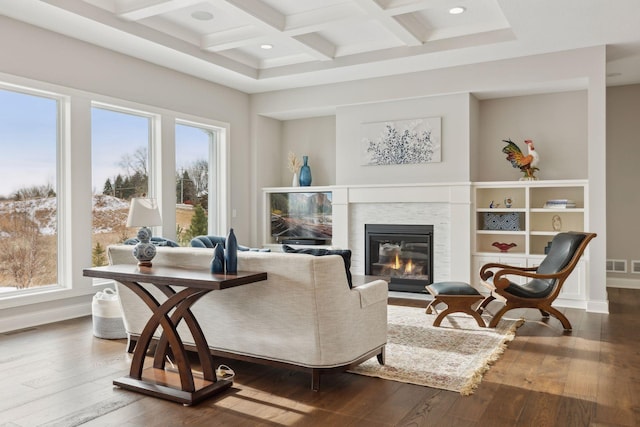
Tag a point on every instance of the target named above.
point(454, 166)
point(581, 70)
point(267, 141)
point(623, 203)
point(314, 137)
point(557, 124)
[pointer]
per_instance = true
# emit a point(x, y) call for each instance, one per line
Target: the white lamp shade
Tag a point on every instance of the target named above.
point(143, 213)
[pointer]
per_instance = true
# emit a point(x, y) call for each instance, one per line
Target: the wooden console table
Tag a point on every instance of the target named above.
point(180, 386)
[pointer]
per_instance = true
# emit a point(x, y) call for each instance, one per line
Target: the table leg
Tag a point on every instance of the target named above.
point(161, 383)
point(183, 311)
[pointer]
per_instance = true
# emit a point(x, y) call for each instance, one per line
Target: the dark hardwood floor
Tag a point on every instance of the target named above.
point(60, 375)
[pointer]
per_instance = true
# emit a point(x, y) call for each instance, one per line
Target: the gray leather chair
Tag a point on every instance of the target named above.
point(544, 281)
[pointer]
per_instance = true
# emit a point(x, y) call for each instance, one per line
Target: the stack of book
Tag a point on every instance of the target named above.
point(560, 204)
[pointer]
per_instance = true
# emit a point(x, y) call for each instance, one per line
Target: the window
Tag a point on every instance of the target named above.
point(120, 170)
point(196, 202)
point(29, 139)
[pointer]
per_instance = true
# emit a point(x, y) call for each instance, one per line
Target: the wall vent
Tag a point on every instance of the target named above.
point(635, 266)
point(618, 266)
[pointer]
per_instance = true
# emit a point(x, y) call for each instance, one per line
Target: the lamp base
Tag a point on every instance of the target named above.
point(144, 253)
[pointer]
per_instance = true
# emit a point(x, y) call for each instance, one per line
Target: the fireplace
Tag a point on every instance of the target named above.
point(403, 254)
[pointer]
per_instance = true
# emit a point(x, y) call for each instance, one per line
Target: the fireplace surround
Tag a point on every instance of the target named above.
point(403, 254)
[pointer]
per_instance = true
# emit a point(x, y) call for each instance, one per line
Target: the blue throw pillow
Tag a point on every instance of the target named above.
point(344, 253)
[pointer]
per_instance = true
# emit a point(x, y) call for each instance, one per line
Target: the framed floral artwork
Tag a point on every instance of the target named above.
point(401, 142)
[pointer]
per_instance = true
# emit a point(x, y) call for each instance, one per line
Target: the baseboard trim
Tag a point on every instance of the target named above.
point(623, 283)
point(570, 303)
point(600, 306)
point(28, 319)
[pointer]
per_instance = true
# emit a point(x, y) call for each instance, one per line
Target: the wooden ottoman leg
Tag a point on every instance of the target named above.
point(459, 298)
point(463, 304)
point(431, 308)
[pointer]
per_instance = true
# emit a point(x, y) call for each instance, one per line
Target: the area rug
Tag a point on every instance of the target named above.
point(452, 357)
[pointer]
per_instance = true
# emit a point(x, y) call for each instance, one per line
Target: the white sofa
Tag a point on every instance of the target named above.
point(304, 316)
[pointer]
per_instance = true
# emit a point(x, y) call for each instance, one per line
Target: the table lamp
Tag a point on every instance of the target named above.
point(144, 213)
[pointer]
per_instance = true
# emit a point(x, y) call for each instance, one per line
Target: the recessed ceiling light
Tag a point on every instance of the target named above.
point(266, 46)
point(457, 10)
point(202, 15)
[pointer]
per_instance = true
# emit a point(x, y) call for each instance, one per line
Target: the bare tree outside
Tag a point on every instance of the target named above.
point(135, 163)
point(24, 257)
point(199, 173)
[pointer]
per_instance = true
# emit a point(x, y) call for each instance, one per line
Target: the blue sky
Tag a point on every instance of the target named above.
point(27, 127)
point(28, 142)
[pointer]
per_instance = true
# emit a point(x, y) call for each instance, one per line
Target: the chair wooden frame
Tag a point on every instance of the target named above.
point(500, 282)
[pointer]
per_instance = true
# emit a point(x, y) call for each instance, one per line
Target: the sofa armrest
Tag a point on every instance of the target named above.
point(372, 292)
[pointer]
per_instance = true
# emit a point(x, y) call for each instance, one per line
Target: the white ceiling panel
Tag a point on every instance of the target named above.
point(332, 40)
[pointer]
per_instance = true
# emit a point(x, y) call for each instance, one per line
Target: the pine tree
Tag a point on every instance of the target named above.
point(185, 189)
point(98, 255)
point(119, 183)
point(108, 188)
point(198, 225)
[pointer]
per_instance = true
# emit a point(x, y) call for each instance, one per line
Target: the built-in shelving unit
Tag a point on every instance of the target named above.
point(537, 223)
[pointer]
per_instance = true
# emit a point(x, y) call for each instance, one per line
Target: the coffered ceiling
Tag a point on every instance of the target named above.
point(262, 45)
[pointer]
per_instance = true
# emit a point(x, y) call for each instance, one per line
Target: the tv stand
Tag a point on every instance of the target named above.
point(304, 241)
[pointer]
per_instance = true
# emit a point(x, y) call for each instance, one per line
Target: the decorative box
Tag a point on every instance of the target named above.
point(503, 221)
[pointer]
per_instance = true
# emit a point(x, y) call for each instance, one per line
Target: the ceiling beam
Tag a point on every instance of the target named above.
point(231, 38)
point(273, 24)
point(400, 7)
point(318, 44)
point(141, 9)
point(261, 13)
point(319, 19)
point(389, 22)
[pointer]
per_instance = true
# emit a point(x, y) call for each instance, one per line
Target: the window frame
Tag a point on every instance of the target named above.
point(61, 181)
point(71, 296)
point(217, 219)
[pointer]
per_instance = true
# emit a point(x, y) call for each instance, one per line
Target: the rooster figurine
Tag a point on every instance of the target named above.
point(527, 164)
point(504, 247)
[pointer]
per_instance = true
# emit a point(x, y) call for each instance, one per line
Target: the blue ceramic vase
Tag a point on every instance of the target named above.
point(305, 173)
point(231, 253)
point(217, 263)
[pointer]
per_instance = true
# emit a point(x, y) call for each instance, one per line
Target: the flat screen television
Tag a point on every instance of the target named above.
point(302, 218)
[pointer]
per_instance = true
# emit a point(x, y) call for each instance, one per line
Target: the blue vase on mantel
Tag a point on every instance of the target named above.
point(231, 252)
point(305, 173)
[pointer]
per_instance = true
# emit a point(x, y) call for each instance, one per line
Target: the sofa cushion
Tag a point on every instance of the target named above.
point(212, 241)
point(344, 253)
point(157, 241)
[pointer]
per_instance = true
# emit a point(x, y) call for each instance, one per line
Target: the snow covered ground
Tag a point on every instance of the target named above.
point(108, 211)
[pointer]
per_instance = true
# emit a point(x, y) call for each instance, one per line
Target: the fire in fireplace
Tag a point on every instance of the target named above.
point(403, 254)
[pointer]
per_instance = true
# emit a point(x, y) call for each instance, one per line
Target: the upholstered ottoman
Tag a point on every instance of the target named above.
point(459, 298)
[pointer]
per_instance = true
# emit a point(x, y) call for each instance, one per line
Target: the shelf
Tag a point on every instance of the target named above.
point(577, 210)
point(537, 224)
point(501, 210)
point(503, 232)
point(498, 253)
point(544, 233)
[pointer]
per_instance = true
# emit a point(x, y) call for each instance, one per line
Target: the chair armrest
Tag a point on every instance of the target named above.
point(502, 282)
point(372, 292)
point(486, 270)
